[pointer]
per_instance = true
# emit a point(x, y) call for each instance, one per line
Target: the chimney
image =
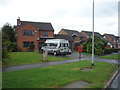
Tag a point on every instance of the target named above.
point(18, 21)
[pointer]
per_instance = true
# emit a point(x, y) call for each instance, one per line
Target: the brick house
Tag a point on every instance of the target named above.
point(33, 33)
point(112, 40)
point(88, 34)
point(77, 37)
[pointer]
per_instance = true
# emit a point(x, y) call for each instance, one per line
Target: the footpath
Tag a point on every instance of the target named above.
point(45, 64)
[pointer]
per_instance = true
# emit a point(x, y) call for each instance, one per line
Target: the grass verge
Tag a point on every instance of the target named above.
point(86, 53)
point(113, 56)
point(59, 75)
point(21, 58)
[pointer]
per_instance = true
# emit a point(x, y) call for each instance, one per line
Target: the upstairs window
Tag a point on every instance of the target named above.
point(28, 33)
point(45, 34)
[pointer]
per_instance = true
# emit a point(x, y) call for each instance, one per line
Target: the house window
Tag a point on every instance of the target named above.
point(28, 33)
point(45, 34)
point(27, 44)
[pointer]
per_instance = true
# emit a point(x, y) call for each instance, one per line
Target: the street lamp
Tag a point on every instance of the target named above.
point(93, 38)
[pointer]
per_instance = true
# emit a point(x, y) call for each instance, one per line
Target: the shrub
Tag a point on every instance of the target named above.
point(76, 47)
point(4, 53)
point(31, 46)
point(11, 46)
point(110, 50)
point(99, 46)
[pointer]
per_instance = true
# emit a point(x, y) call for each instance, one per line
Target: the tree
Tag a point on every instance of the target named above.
point(8, 33)
point(99, 45)
point(8, 39)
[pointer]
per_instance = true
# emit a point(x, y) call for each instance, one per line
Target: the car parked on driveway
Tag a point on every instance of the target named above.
point(56, 46)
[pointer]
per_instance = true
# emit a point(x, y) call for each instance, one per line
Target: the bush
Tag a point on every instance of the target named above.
point(11, 46)
point(99, 46)
point(110, 50)
point(76, 47)
point(31, 46)
point(4, 54)
point(115, 50)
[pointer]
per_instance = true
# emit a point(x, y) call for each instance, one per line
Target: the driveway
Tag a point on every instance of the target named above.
point(75, 55)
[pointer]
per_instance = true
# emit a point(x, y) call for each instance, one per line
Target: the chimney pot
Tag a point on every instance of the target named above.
point(18, 21)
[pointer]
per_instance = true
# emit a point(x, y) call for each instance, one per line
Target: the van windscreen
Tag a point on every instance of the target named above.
point(50, 44)
point(63, 44)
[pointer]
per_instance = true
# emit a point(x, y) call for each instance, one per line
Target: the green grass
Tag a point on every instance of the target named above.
point(113, 56)
point(59, 75)
point(86, 53)
point(20, 58)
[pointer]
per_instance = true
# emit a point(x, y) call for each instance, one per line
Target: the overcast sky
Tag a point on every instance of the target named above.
point(68, 14)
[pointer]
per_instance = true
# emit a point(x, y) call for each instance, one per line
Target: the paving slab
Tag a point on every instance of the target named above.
point(77, 84)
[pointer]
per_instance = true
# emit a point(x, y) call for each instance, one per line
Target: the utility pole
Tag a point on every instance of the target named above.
point(93, 38)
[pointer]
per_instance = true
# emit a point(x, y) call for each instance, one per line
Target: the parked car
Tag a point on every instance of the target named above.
point(56, 46)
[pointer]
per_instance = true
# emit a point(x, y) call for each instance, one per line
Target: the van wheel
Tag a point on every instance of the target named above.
point(55, 53)
point(41, 50)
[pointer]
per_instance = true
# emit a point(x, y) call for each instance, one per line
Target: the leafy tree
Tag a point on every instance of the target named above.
point(8, 33)
point(11, 46)
point(8, 39)
point(99, 45)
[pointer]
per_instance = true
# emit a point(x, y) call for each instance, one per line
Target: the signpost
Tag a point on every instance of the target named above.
point(79, 50)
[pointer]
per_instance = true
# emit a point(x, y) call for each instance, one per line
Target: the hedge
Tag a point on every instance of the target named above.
point(110, 50)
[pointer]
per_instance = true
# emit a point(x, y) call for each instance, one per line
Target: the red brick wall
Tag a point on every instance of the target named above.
point(85, 35)
point(72, 45)
point(50, 33)
point(21, 37)
point(108, 46)
point(62, 32)
point(77, 39)
point(38, 33)
point(109, 38)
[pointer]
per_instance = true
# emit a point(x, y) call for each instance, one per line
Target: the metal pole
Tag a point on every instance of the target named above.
point(79, 56)
point(93, 38)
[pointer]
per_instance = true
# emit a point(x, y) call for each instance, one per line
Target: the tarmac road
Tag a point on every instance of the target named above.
point(116, 82)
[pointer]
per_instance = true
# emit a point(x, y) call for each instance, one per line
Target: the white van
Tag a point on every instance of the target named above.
point(56, 46)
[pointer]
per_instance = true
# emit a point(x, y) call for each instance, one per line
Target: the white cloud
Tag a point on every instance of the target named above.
point(71, 14)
